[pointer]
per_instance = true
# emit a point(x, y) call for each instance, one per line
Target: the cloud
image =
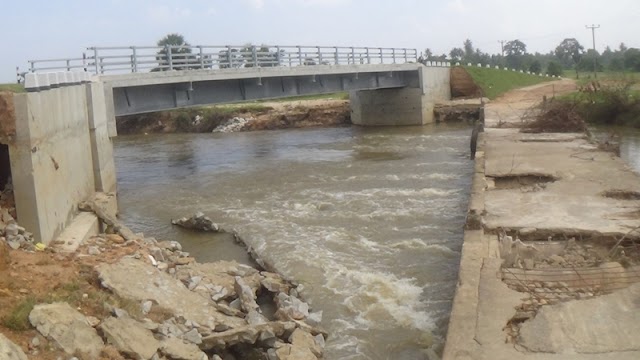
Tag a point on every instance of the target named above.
point(457, 6)
point(163, 13)
point(255, 4)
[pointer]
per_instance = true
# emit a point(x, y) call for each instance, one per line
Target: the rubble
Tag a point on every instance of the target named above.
point(197, 222)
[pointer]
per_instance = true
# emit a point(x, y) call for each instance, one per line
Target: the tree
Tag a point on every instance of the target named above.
point(180, 51)
point(554, 69)
point(230, 58)
point(264, 57)
point(569, 52)
point(632, 59)
point(515, 50)
point(587, 64)
point(535, 67)
point(468, 49)
point(456, 54)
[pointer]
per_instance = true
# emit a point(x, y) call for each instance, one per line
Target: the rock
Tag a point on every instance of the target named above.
point(120, 313)
point(115, 238)
point(301, 338)
point(67, 327)
point(15, 245)
point(255, 318)
point(11, 230)
point(184, 260)
point(93, 321)
point(193, 336)
point(170, 245)
point(130, 337)
point(290, 307)
point(136, 280)
point(10, 351)
point(157, 253)
point(146, 307)
point(557, 259)
point(274, 283)
point(162, 266)
point(197, 222)
point(193, 282)
point(245, 334)
point(177, 349)
point(291, 352)
point(35, 342)
point(93, 250)
point(246, 295)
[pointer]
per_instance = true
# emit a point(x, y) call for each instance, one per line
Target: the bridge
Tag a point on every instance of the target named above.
point(59, 133)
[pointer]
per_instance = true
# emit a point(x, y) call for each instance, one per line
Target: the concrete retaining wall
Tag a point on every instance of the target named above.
point(402, 106)
point(60, 156)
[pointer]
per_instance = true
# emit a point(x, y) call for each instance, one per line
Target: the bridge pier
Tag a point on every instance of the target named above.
point(402, 106)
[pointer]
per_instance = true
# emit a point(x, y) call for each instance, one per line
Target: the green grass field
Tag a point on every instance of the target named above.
point(495, 82)
point(12, 87)
point(586, 77)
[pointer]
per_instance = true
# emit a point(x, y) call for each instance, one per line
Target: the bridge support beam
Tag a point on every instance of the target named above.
point(402, 106)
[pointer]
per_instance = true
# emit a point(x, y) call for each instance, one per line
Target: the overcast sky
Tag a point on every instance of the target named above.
point(37, 29)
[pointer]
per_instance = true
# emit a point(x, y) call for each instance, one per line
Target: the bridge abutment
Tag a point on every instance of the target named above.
point(402, 106)
point(60, 156)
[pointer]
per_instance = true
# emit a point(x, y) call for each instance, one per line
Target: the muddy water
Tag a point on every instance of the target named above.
point(368, 220)
point(629, 143)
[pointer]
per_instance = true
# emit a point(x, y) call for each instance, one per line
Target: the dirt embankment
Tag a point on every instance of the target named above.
point(261, 116)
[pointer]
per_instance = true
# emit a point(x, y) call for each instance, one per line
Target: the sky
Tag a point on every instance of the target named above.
point(45, 29)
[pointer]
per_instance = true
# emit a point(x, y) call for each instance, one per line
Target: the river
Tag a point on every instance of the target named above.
point(369, 220)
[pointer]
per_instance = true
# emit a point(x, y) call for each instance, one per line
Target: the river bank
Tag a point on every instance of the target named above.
point(122, 295)
point(548, 261)
point(240, 117)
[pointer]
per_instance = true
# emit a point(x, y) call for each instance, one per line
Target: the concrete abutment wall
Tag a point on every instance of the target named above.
point(61, 155)
point(402, 106)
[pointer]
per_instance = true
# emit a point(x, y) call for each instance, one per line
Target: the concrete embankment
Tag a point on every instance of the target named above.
point(549, 266)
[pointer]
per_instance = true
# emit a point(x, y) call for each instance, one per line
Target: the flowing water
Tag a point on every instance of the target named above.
point(369, 220)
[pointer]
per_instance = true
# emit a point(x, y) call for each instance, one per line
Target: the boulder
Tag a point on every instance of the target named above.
point(68, 328)
point(130, 337)
point(178, 349)
point(246, 295)
point(301, 338)
point(274, 283)
point(292, 352)
point(245, 334)
point(198, 222)
point(136, 280)
point(10, 351)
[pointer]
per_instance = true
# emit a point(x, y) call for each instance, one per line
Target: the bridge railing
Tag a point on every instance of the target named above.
point(102, 60)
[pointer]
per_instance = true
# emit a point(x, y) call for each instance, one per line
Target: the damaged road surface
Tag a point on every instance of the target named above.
point(550, 264)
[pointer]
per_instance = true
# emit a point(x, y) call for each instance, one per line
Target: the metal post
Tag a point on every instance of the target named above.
point(254, 55)
point(229, 57)
point(169, 56)
point(68, 65)
point(353, 54)
point(595, 57)
point(134, 59)
point(393, 52)
point(32, 66)
point(406, 59)
point(95, 60)
point(368, 56)
point(278, 59)
point(300, 55)
point(337, 57)
point(101, 66)
point(381, 57)
point(201, 58)
point(319, 56)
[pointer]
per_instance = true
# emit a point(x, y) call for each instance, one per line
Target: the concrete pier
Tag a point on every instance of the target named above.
point(537, 279)
point(402, 106)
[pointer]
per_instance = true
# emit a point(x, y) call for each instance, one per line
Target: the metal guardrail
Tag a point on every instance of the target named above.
point(101, 60)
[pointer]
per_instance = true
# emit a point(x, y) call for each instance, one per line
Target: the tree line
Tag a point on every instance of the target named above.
point(568, 55)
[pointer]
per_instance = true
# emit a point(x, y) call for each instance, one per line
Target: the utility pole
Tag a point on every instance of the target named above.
point(595, 60)
point(502, 46)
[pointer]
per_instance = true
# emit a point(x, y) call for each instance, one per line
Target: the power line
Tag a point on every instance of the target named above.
point(595, 58)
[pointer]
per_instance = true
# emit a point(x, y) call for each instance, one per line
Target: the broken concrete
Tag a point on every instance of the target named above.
point(134, 279)
point(10, 351)
point(130, 337)
point(513, 299)
point(68, 328)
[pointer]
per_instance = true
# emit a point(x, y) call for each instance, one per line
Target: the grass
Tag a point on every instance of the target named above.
point(18, 318)
point(16, 88)
point(495, 82)
point(606, 76)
